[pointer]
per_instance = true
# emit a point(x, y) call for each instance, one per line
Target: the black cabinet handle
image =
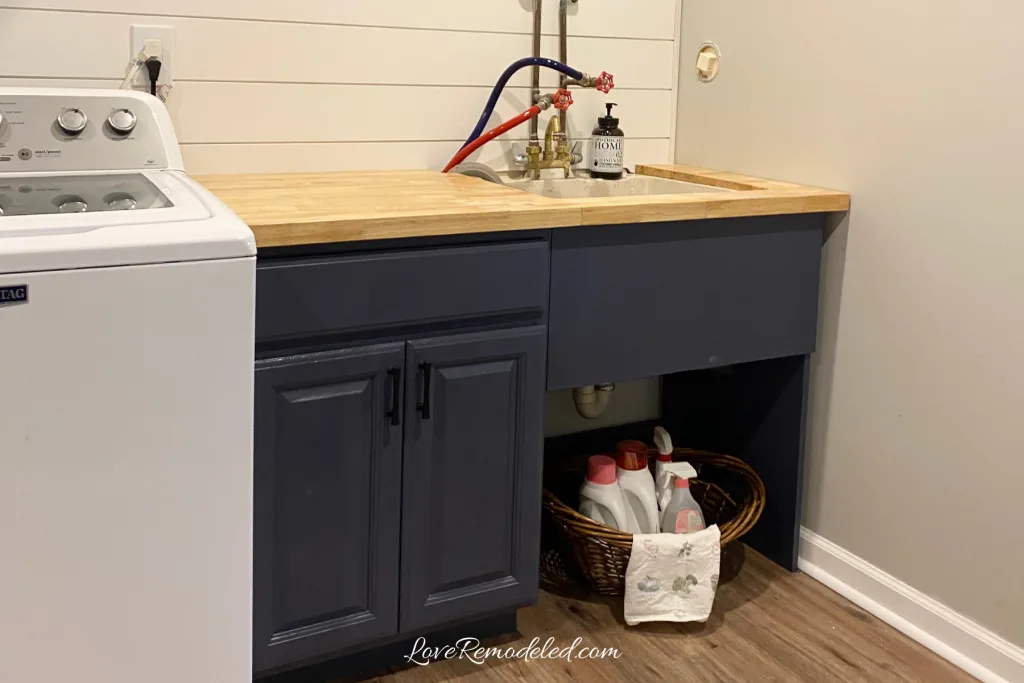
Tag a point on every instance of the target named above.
point(424, 405)
point(396, 391)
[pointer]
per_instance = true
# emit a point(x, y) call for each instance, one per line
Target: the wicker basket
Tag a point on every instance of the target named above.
point(602, 553)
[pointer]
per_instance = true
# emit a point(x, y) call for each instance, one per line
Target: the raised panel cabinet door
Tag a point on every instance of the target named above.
point(328, 458)
point(472, 475)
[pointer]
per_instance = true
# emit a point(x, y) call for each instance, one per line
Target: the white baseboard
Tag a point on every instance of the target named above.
point(973, 648)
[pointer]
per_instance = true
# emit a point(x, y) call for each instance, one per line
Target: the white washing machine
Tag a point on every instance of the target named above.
point(126, 378)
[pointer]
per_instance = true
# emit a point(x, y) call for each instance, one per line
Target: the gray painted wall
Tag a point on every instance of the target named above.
point(916, 436)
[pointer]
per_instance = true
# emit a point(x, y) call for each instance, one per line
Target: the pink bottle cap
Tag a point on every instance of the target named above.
point(601, 469)
point(681, 483)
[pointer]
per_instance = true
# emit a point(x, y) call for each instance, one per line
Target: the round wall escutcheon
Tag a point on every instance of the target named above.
point(709, 60)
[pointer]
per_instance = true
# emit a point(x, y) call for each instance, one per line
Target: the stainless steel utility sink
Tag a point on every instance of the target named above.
point(585, 187)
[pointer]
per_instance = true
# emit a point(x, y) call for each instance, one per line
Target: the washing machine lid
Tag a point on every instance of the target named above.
point(88, 220)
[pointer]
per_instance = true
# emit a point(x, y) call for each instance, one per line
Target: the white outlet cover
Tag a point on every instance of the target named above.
point(140, 33)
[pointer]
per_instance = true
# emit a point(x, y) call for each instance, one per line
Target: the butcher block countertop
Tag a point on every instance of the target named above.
point(317, 208)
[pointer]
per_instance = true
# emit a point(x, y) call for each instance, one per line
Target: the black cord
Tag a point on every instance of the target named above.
point(153, 67)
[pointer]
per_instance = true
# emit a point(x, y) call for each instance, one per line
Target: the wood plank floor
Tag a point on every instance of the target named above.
point(768, 625)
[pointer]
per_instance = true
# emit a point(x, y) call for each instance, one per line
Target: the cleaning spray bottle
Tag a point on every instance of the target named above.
point(683, 514)
point(662, 479)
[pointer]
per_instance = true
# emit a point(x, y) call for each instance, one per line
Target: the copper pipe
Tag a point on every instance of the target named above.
point(535, 77)
point(563, 50)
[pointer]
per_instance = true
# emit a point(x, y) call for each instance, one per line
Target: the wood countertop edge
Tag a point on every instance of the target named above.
point(727, 180)
point(817, 197)
point(399, 226)
point(702, 176)
point(700, 206)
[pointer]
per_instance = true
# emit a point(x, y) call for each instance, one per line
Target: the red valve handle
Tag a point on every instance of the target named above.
point(562, 99)
point(605, 82)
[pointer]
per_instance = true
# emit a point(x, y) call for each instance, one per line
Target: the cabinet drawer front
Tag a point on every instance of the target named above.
point(636, 301)
point(399, 288)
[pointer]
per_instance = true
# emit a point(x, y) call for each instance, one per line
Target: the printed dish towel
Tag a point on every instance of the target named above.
point(672, 577)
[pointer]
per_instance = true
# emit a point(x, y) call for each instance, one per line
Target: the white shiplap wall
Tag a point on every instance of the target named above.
point(309, 85)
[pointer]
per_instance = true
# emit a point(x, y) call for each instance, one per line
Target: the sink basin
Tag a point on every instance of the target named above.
point(586, 187)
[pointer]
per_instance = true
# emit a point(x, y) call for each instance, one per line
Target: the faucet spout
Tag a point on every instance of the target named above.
point(553, 132)
point(556, 152)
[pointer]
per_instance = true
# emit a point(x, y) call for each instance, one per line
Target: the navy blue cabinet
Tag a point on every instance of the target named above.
point(432, 447)
point(398, 485)
point(471, 475)
point(327, 503)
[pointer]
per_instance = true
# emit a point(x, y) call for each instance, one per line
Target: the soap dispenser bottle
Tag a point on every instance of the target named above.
point(607, 147)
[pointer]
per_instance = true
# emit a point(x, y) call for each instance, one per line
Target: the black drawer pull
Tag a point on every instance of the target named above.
point(424, 405)
point(396, 391)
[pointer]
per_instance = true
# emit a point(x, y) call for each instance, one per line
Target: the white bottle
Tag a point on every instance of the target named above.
point(600, 496)
point(637, 486)
point(683, 514)
point(662, 479)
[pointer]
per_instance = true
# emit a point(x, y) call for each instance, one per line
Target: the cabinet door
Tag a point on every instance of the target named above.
point(327, 503)
point(472, 475)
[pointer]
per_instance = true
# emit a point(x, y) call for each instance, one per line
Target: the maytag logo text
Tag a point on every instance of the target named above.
point(13, 294)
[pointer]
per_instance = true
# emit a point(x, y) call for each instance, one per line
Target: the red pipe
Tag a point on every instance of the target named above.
point(490, 135)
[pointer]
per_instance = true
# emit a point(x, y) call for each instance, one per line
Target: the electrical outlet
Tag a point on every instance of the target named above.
point(144, 36)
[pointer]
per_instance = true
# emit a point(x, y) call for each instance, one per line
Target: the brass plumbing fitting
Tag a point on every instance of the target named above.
point(556, 152)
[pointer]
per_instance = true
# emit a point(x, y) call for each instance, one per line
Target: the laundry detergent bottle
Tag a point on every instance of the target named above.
point(637, 486)
point(682, 515)
point(601, 498)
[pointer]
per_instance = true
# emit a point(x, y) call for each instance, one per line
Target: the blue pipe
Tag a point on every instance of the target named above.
point(500, 85)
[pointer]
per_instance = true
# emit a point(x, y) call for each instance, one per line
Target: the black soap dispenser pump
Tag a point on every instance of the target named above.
point(606, 147)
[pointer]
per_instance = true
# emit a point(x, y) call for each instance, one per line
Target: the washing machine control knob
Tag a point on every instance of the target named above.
point(72, 121)
point(122, 204)
point(73, 206)
point(122, 121)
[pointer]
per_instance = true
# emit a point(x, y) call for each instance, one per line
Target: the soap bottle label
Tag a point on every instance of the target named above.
point(688, 521)
point(606, 154)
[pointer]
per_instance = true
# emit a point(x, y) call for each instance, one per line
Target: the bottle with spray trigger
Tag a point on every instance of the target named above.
point(662, 479)
point(682, 515)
